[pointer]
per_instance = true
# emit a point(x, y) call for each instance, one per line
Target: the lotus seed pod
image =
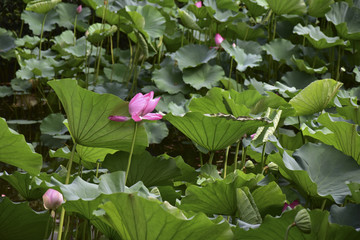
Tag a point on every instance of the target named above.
point(302, 221)
point(273, 167)
point(249, 164)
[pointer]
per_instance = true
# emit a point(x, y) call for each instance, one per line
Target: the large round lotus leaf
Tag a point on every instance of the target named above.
point(41, 6)
point(244, 31)
point(280, 49)
point(305, 67)
point(15, 151)
point(214, 132)
point(280, 7)
point(275, 228)
point(7, 42)
point(318, 8)
point(204, 75)
point(256, 7)
point(18, 221)
point(67, 14)
point(317, 38)
point(346, 20)
point(221, 10)
point(242, 59)
point(35, 21)
point(139, 218)
point(193, 55)
point(342, 135)
point(98, 32)
point(87, 113)
point(315, 97)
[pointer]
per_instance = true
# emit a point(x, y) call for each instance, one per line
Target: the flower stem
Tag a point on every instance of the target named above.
point(226, 160)
point(47, 226)
point(41, 35)
point(211, 157)
point(236, 154)
point(263, 156)
point(287, 230)
point(131, 152)
point(62, 216)
point(75, 29)
point(243, 156)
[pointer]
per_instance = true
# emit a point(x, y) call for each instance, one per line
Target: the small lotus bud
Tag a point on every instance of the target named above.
point(218, 39)
point(198, 4)
point(253, 136)
point(234, 45)
point(302, 221)
point(52, 199)
point(86, 33)
point(273, 167)
point(79, 9)
point(249, 164)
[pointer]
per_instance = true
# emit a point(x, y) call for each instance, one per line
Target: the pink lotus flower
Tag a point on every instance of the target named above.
point(291, 205)
point(52, 199)
point(79, 9)
point(140, 107)
point(198, 4)
point(218, 39)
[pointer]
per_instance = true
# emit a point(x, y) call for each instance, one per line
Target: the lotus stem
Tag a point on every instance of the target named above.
point(112, 57)
point(236, 154)
point(41, 35)
point(98, 63)
point(75, 29)
point(288, 230)
point(323, 205)
point(263, 156)
point(98, 162)
point(53, 230)
point(47, 226)
point(131, 152)
point(211, 158)
point(226, 160)
point(243, 156)
point(62, 216)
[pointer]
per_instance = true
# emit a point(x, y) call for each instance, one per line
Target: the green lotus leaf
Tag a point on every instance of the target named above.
point(117, 72)
point(221, 10)
point(41, 6)
point(53, 124)
point(5, 91)
point(188, 21)
point(342, 135)
point(15, 151)
point(316, 37)
point(193, 55)
point(35, 21)
point(280, 50)
point(315, 97)
point(263, 133)
point(28, 42)
point(345, 19)
point(67, 14)
point(7, 42)
point(156, 131)
point(246, 207)
point(169, 78)
point(351, 112)
point(345, 215)
point(330, 182)
point(214, 132)
point(139, 218)
point(204, 75)
point(15, 216)
point(269, 199)
point(320, 228)
point(98, 32)
point(318, 8)
point(280, 7)
point(246, 32)
point(87, 113)
point(242, 59)
point(256, 7)
point(298, 79)
point(355, 191)
point(152, 171)
point(304, 66)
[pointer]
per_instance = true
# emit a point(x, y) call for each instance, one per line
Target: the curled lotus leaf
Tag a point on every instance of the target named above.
point(98, 32)
point(41, 6)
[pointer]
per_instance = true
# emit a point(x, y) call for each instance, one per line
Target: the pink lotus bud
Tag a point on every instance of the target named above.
point(234, 45)
point(52, 199)
point(198, 4)
point(3, 195)
point(79, 9)
point(252, 136)
point(218, 39)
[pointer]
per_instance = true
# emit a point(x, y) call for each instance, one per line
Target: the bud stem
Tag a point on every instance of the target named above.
point(131, 152)
point(288, 230)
